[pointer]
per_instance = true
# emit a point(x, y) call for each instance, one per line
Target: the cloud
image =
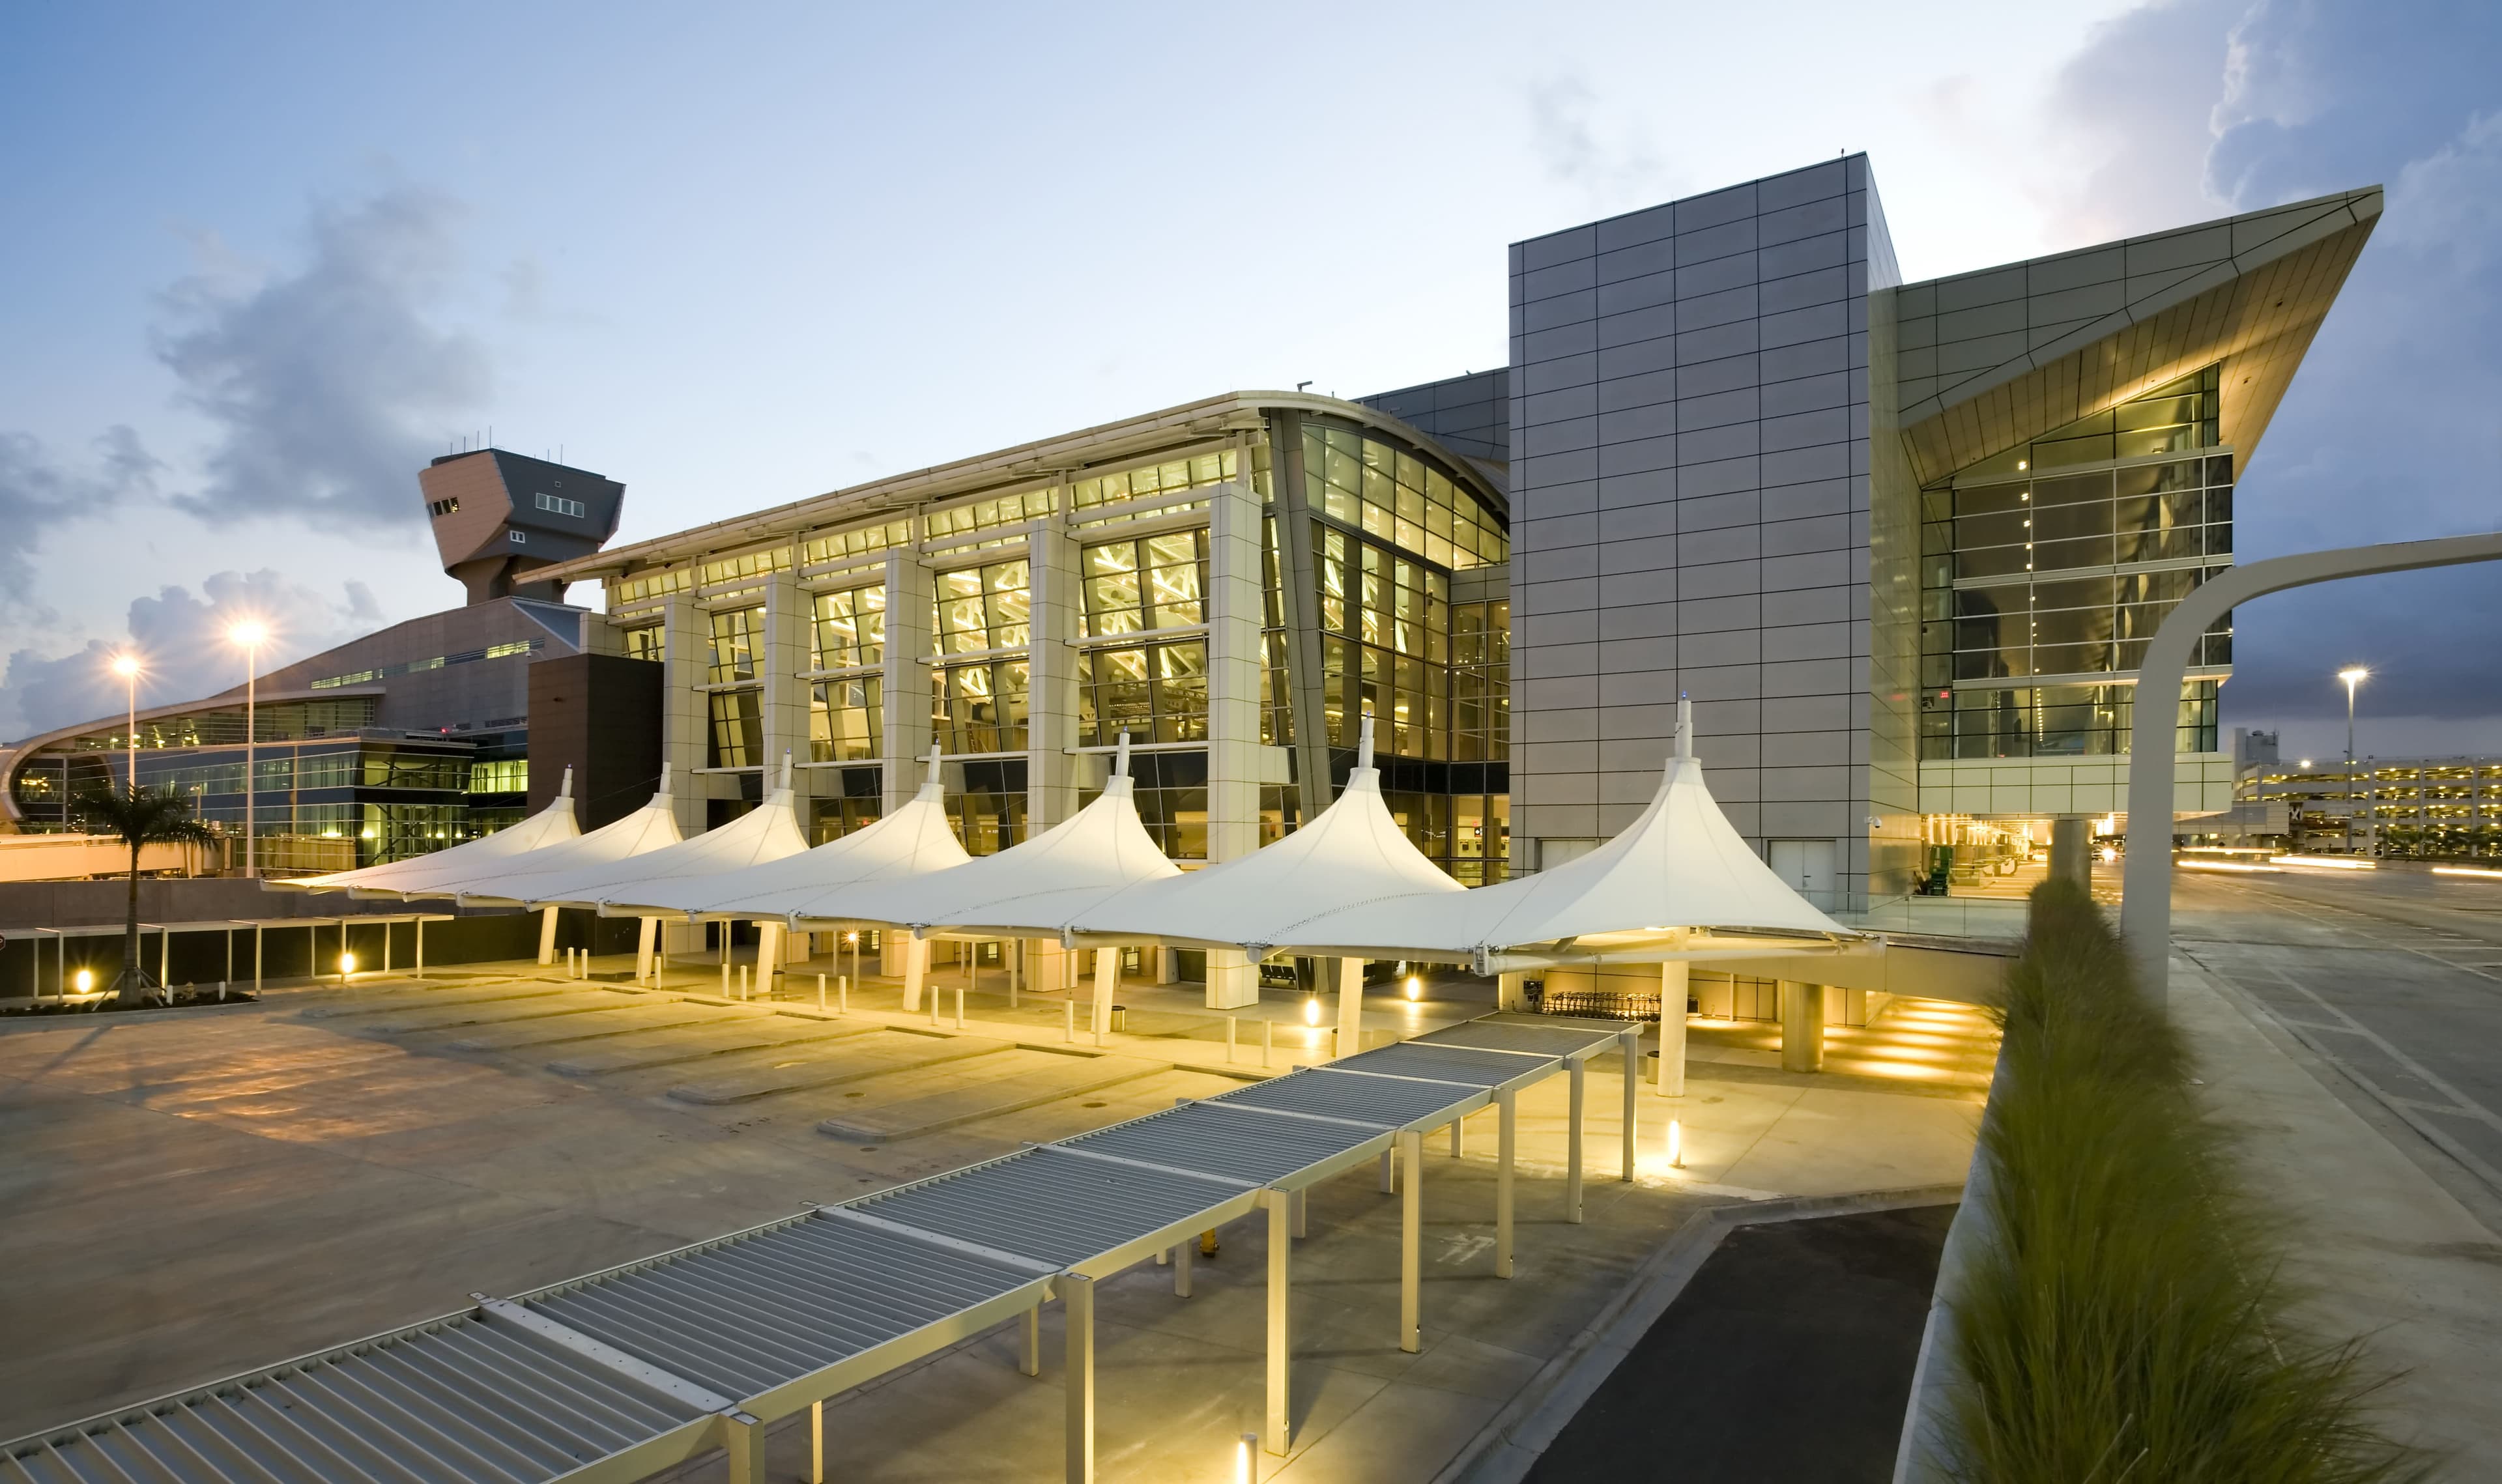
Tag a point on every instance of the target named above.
point(37, 492)
point(182, 639)
point(2390, 430)
point(1565, 139)
point(329, 385)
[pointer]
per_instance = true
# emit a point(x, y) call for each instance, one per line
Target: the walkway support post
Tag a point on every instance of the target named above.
point(1078, 1297)
point(1411, 1236)
point(1107, 983)
point(2146, 880)
point(1629, 1045)
point(743, 1443)
point(1350, 1006)
point(1278, 1434)
point(421, 952)
point(768, 957)
point(1801, 1007)
point(1579, 1077)
point(1676, 987)
point(1506, 1104)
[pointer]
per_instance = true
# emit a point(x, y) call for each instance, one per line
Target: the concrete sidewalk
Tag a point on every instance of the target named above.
point(2389, 1254)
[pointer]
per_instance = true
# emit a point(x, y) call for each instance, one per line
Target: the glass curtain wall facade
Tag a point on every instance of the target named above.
point(2046, 570)
point(1114, 567)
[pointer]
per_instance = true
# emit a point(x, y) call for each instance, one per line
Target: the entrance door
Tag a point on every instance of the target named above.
point(1809, 866)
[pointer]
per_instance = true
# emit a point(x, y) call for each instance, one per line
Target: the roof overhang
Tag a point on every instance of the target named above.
point(2248, 291)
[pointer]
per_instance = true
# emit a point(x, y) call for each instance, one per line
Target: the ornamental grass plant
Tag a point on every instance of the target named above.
point(2130, 1320)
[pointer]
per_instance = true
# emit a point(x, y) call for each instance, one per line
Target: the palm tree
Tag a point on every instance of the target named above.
point(142, 817)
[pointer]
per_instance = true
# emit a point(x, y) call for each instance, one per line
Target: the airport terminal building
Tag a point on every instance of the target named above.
point(1901, 544)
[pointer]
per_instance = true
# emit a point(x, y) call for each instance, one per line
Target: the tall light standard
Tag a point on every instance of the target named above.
point(2354, 675)
point(250, 636)
point(126, 665)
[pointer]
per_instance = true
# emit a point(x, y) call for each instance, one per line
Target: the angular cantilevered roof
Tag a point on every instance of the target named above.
point(1035, 889)
point(768, 832)
point(1352, 853)
point(915, 840)
point(1679, 868)
point(423, 875)
point(652, 828)
point(1990, 358)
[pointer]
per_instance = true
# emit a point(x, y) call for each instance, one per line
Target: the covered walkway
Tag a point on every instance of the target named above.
point(617, 1374)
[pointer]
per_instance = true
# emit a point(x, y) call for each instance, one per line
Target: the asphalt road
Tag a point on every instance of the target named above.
point(1789, 1357)
point(2393, 978)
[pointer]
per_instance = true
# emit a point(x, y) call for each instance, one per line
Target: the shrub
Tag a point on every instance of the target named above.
point(2129, 1322)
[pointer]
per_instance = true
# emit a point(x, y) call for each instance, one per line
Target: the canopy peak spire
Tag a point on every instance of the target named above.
point(564, 789)
point(1684, 726)
point(1120, 757)
point(1364, 743)
point(664, 779)
point(785, 770)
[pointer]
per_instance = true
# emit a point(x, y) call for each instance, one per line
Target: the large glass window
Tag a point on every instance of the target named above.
point(737, 730)
point(1158, 692)
point(738, 639)
point(1481, 682)
point(850, 629)
point(1392, 494)
point(984, 608)
point(2078, 720)
point(1167, 476)
point(844, 720)
point(1385, 624)
point(1151, 582)
point(981, 707)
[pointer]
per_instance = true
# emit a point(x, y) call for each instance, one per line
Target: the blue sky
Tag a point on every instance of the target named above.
point(269, 258)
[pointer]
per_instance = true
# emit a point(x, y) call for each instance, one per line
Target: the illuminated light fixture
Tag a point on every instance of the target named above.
point(2110, 854)
point(1676, 1145)
point(2466, 870)
point(126, 665)
point(2332, 862)
point(85, 980)
point(1242, 1457)
point(1415, 988)
point(2023, 463)
point(249, 631)
point(1311, 1010)
point(347, 963)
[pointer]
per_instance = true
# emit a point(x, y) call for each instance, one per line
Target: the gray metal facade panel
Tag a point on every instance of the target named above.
point(1059, 1207)
point(744, 1317)
point(1377, 1102)
point(1223, 1143)
point(461, 1401)
point(1445, 1063)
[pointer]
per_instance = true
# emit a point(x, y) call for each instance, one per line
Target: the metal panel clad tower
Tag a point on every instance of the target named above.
point(1691, 514)
point(498, 516)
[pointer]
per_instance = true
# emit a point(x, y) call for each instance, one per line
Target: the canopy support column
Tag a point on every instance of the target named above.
point(1629, 1045)
point(768, 957)
point(386, 945)
point(1802, 1009)
point(916, 972)
point(1350, 1006)
point(1579, 1078)
point(1278, 1435)
point(256, 958)
point(1506, 1140)
point(1107, 983)
point(1411, 1222)
point(1675, 989)
point(1078, 1297)
point(420, 948)
point(1182, 1253)
point(547, 935)
point(1030, 1353)
point(647, 936)
point(817, 1443)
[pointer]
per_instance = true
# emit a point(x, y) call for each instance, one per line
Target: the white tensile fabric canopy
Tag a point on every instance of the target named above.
point(1026, 891)
point(414, 876)
point(1678, 870)
point(915, 840)
point(766, 832)
point(1353, 853)
point(652, 828)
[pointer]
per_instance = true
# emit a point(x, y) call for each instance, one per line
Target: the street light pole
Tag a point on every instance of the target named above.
point(250, 636)
point(2354, 675)
point(127, 667)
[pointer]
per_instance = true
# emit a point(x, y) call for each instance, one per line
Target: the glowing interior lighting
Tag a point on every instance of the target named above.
point(2109, 853)
point(2332, 862)
point(1311, 1010)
